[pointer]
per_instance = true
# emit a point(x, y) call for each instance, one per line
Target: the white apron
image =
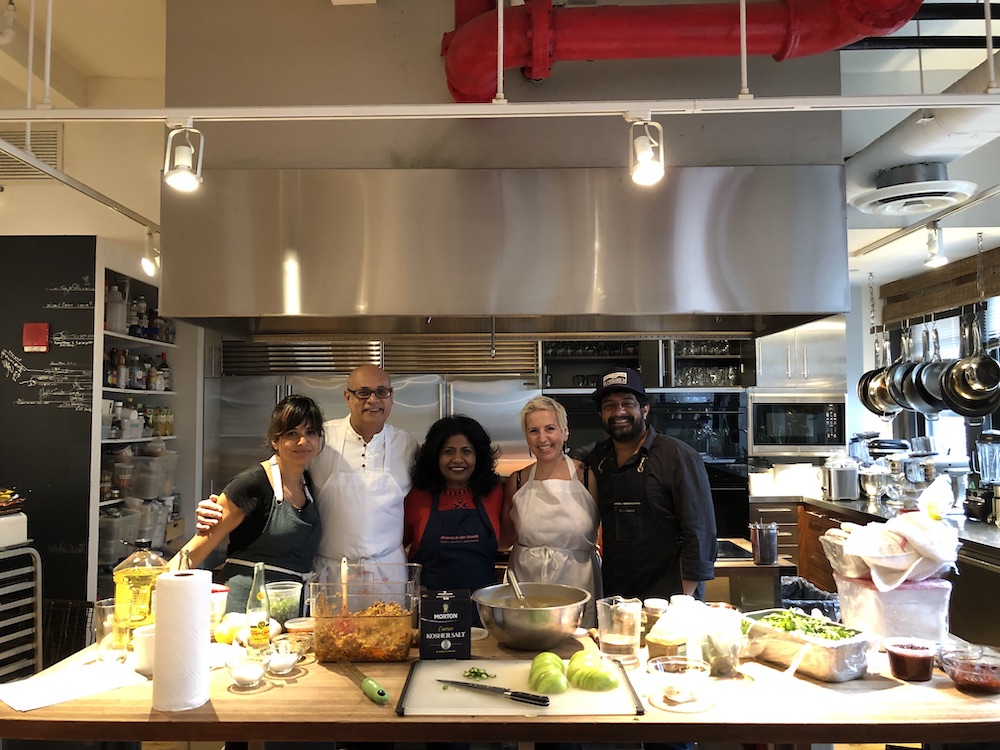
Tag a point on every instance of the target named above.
point(362, 515)
point(556, 522)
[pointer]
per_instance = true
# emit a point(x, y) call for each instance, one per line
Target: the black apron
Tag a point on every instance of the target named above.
point(641, 554)
point(458, 564)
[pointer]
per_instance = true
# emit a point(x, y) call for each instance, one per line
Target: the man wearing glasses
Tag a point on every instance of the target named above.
point(363, 474)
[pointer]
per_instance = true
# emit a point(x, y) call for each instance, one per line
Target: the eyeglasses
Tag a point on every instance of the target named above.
point(363, 394)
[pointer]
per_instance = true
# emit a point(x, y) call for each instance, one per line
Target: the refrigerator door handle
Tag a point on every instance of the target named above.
point(278, 391)
point(442, 405)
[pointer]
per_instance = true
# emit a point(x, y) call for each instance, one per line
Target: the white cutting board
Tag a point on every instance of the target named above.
point(424, 696)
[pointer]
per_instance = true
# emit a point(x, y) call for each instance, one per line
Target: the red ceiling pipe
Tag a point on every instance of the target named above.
point(780, 28)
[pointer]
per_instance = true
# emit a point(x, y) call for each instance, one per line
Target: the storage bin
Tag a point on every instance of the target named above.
point(917, 609)
point(150, 474)
point(153, 523)
point(115, 534)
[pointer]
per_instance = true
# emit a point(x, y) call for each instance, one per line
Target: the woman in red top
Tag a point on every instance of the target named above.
point(451, 519)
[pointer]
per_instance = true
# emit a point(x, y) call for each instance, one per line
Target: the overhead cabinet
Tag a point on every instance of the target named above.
point(810, 356)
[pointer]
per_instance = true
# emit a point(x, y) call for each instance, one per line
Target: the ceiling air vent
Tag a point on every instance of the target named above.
point(913, 189)
point(46, 146)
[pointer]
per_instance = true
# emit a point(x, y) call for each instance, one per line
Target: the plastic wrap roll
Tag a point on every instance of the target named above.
point(181, 647)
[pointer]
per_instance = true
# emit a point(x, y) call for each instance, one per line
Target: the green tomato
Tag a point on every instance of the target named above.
point(547, 658)
point(549, 681)
point(594, 678)
point(580, 660)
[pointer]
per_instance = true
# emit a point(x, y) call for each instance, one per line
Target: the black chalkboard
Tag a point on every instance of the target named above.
point(46, 398)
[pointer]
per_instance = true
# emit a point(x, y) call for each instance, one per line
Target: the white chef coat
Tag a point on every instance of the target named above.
point(360, 491)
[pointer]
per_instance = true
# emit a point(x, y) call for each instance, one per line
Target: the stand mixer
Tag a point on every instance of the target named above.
point(981, 501)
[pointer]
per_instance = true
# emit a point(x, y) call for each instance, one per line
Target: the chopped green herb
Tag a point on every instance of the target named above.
point(475, 673)
point(792, 622)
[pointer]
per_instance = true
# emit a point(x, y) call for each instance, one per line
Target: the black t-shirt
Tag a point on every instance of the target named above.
point(251, 492)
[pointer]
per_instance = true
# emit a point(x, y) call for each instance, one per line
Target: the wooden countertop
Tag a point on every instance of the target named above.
point(318, 702)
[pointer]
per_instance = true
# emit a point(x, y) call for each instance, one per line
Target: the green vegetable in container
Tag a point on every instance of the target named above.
point(793, 622)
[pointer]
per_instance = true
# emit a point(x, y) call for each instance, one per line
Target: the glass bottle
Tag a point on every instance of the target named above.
point(135, 585)
point(164, 369)
point(115, 315)
point(258, 617)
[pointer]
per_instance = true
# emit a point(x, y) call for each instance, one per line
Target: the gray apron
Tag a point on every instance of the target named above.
point(286, 546)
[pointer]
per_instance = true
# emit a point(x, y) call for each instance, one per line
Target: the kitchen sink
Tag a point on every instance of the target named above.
point(731, 551)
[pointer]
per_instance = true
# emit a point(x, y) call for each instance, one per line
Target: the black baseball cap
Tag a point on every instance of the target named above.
point(619, 379)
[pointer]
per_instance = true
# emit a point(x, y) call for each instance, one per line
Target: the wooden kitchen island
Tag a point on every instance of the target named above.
point(318, 702)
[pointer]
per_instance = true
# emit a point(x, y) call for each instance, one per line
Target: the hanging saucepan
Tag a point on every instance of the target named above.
point(900, 371)
point(977, 375)
point(959, 396)
point(971, 409)
point(930, 375)
point(913, 388)
point(879, 400)
point(867, 376)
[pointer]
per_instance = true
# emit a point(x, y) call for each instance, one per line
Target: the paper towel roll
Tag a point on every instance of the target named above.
point(181, 647)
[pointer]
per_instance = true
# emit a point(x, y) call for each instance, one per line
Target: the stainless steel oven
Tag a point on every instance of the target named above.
point(796, 423)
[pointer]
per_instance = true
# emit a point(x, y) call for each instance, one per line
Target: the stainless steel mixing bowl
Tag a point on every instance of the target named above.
point(552, 613)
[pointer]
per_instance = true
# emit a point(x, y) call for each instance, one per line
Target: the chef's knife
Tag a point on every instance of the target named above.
point(368, 686)
point(514, 695)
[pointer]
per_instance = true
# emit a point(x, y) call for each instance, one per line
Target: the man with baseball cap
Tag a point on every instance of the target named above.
point(657, 516)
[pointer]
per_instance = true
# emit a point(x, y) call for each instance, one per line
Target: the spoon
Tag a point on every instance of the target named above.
point(512, 580)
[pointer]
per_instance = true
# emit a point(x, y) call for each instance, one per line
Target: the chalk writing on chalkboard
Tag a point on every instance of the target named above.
point(61, 384)
point(86, 285)
point(66, 339)
point(69, 305)
point(12, 364)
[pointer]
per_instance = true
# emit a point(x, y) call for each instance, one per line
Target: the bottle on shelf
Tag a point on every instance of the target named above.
point(258, 614)
point(164, 369)
point(115, 319)
point(122, 379)
point(135, 586)
point(116, 421)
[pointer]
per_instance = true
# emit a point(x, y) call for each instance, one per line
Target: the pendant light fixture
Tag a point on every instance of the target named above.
point(183, 158)
point(151, 258)
point(645, 139)
point(935, 254)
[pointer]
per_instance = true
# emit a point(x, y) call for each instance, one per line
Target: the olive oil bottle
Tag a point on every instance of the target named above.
point(135, 590)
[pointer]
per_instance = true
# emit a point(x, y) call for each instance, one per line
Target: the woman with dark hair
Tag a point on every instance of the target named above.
point(267, 510)
point(451, 517)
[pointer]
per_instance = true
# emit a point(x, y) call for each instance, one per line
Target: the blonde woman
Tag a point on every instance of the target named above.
point(550, 512)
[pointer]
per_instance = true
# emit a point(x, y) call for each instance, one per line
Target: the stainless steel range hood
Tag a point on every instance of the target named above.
point(740, 250)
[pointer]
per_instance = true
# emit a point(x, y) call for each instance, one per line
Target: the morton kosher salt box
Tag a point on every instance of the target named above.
point(445, 623)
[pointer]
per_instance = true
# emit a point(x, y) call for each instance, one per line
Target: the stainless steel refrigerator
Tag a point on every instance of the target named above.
point(237, 410)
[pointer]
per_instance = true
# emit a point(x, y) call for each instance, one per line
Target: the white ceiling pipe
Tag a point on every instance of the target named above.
point(944, 137)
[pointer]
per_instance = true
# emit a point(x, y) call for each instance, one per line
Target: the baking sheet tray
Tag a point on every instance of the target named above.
point(424, 696)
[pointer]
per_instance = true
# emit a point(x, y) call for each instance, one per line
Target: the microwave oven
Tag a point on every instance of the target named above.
point(796, 423)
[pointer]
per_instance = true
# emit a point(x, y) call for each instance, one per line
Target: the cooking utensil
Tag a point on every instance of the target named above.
point(374, 691)
point(514, 695)
point(554, 612)
point(874, 395)
point(900, 371)
point(980, 372)
point(913, 389)
point(512, 580)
